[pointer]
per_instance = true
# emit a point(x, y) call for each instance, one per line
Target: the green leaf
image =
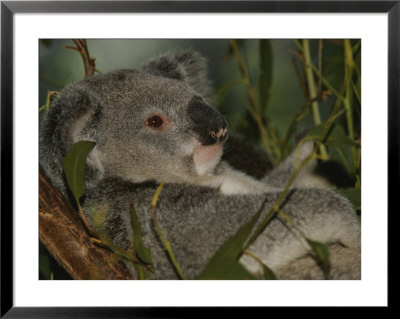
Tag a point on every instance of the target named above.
point(358, 86)
point(142, 252)
point(265, 77)
point(268, 273)
point(141, 272)
point(322, 252)
point(225, 269)
point(330, 134)
point(224, 264)
point(74, 167)
point(353, 195)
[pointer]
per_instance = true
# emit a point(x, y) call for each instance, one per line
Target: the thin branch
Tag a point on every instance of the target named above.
point(160, 234)
point(298, 74)
point(88, 62)
point(312, 89)
point(320, 48)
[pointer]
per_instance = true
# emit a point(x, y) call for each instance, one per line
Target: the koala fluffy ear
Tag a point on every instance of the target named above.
point(73, 116)
point(85, 128)
point(188, 66)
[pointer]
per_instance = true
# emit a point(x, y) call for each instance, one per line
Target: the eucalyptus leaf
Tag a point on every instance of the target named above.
point(268, 273)
point(141, 272)
point(74, 167)
point(225, 269)
point(265, 77)
point(142, 252)
point(353, 195)
point(322, 253)
point(224, 265)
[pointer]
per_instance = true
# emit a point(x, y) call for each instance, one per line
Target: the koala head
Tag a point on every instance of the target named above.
point(150, 124)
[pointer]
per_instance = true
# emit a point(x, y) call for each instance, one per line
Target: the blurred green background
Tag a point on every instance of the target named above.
point(276, 72)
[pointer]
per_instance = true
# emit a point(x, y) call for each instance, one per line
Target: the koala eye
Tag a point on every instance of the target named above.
point(154, 121)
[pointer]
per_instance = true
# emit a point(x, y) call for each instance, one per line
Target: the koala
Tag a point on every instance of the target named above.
point(157, 125)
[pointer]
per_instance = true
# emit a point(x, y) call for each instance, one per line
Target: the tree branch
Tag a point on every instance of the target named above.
point(61, 231)
point(88, 62)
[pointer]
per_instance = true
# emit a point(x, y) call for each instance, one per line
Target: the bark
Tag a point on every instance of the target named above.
point(62, 232)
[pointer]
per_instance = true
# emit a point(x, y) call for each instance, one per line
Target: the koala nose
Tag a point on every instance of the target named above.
point(209, 125)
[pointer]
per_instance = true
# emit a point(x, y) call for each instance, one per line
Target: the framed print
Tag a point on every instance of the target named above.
point(207, 147)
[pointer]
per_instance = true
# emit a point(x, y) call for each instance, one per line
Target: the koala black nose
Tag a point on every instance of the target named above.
point(209, 125)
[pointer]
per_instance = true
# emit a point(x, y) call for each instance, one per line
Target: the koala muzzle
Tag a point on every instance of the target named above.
point(209, 125)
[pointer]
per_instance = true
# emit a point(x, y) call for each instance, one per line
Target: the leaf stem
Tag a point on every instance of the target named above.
point(160, 234)
point(49, 95)
point(299, 77)
point(268, 273)
point(311, 88)
point(320, 48)
point(349, 63)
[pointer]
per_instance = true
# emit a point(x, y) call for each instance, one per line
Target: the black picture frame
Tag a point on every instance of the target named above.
point(9, 8)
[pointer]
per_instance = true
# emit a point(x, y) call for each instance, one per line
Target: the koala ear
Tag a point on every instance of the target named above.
point(188, 66)
point(73, 116)
point(85, 128)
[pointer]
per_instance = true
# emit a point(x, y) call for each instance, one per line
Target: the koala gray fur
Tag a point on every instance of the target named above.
point(206, 199)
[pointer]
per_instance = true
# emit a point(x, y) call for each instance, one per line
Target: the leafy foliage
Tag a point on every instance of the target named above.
point(343, 64)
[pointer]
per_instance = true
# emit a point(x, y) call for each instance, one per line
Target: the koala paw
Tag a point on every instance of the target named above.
point(235, 182)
